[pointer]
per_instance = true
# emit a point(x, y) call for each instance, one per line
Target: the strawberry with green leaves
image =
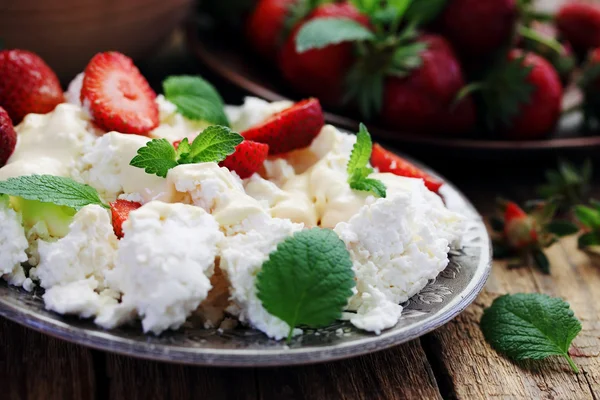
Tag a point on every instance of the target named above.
point(520, 97)
point(320, 70)
point(409, 80)
point(521, 236)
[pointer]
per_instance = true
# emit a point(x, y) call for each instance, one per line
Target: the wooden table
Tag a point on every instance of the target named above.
point(451, 362)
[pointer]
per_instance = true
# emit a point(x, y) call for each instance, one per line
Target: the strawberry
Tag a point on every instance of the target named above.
point(422, 101)
point(28, 85)
point(387, 161)
point(520, 97)
point(321, 72)
point(265, 26)
point(247, 159)
point(8, 137)
point(519, 229)
point(290, 129)
point(477, 28)
point(579, 23)
point(119, 97)
point(120, 210)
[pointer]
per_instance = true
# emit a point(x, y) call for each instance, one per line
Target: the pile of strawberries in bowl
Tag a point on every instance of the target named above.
point(495, 69)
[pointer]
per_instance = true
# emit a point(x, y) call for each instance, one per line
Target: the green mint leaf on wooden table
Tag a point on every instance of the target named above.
point(52, 189)
point(530, 326)
point(195, 99)
point(322, 32)
point(157, 157)
point(307, 280)
point(358, 171)
point(213, 144)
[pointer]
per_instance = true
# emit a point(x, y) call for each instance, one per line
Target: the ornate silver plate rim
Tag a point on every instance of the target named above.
point(27, 309)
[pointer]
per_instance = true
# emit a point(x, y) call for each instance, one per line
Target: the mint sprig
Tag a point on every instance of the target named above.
point(52, 189)
point(195, 99)
point(358, 169)
point(307, 280)
point(213, 144)
point(530, 326)
point(322, 32)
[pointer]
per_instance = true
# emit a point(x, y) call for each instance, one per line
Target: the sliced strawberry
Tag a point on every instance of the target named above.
point(8, 137)
point(248, 158)
point(387, 161)
point(119, 97)
point(290, 129)
point(27, 85)
point(120, 210)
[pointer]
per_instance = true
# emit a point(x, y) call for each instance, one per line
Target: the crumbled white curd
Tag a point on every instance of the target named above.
point(202, 218)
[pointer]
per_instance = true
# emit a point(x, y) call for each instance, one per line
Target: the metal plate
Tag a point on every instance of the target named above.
point(440, 301)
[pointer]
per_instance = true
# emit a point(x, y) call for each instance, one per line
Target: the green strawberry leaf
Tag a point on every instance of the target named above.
point(307, 280)
point(322, 32)
point(530, 326)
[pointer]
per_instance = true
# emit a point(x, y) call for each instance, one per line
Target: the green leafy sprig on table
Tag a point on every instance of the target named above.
point(307, 280)
point(568, 185)
point(213, 144)
point(358, 169)
point(530, 326)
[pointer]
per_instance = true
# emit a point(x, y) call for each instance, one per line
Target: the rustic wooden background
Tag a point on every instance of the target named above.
point(453, 362)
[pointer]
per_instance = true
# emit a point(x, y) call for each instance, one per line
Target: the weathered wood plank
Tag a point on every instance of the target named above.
point(36, 366)
point(402, 372)
point(131, 379)
point(472, 370)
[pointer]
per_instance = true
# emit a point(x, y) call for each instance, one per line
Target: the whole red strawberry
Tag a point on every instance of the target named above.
point(265, 26)
point(539, 115)
point(579, 23)
point(519, 228)
point(386, 161)
point(118, 96)
point(321, 72)
point(478, 27)
point(423, 101)
point(27, 85)
point(120, 210)
point(8, 137)
point(247, 159)
point(293, 128)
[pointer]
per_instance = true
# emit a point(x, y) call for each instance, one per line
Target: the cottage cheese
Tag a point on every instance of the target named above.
point(105, 167)
point(396, 247)
point(174, 126)
point(242, 254)
point(163, 266)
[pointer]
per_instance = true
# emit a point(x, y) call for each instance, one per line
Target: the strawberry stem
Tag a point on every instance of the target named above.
point(535, 36)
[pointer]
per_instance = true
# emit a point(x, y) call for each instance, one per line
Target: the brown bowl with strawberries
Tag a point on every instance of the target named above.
point(465, 77)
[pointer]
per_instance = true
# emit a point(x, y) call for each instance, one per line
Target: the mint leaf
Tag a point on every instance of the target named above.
point(213, 144)
point(588, 216)
point(358, 171)
point(370, 185)
point(322, 32)
point(195, 99)
point(157, 157)
point(51, 189)
point(307, 280)
point(530, 326)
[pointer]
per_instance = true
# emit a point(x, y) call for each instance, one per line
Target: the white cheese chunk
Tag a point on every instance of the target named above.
point(13, 244)
point(164, 264)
